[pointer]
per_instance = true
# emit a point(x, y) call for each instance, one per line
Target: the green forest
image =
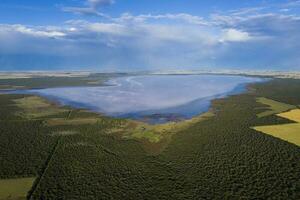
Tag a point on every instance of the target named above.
point(76, 154)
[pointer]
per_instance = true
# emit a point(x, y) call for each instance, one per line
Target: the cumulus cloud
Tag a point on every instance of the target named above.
point(143, 30)
point(233, 35)
point(108, 28)
point(236, 38)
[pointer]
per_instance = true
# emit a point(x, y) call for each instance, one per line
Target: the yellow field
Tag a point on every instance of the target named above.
point(293, 115)
point(287, 132)
point(15, 189)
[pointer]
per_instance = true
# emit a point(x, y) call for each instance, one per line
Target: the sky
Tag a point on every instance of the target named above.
point(138, 35)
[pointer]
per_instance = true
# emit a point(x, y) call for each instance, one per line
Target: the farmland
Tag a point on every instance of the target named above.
point(15, 189)
point(76, 154)
point(293, 115)
point(289, 132)
point(273, 107)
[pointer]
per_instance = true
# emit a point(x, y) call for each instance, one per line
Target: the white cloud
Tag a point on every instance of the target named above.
point(247, 11)
point(141, 29)
point(233, 35)
point(183, 17)
point(177, 39)
point(284, 10)
point(108, 28)
point(36, 31)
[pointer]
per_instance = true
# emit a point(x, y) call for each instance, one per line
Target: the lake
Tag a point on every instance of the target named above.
point(152, 98)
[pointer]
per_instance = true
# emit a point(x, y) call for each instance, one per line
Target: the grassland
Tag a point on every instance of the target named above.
point(273, 107)
point(158, 132)
point(77, 121)
point(36, 107)
point(214, 156)
point(15, 189)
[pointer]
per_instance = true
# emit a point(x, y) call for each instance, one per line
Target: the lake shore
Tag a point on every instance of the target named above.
point(151, 99)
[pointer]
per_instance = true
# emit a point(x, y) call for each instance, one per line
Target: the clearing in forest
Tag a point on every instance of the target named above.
point(36, 107)
point(15, 189)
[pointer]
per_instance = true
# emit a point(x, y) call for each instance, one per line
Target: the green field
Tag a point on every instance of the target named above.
point(273, 107)
point(76, 154)
point(15, 189)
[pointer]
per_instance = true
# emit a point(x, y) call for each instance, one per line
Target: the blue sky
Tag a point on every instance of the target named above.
point(149, 34)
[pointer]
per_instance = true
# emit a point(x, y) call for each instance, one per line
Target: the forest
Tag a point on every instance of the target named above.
point(220, 157)
point(95, 79)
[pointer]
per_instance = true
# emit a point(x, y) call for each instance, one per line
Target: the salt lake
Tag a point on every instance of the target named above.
point(156, 98)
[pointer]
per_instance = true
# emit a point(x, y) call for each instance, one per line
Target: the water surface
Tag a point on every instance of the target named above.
point(157, 99)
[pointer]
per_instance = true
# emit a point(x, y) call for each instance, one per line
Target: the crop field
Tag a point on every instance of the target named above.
point(273, 107)
point(76, 154)
point(293, 115)
point(15, 189)
point(287, 132)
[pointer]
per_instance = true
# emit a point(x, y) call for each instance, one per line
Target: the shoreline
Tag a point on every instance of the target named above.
point(8, 75)
point(155, 117)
